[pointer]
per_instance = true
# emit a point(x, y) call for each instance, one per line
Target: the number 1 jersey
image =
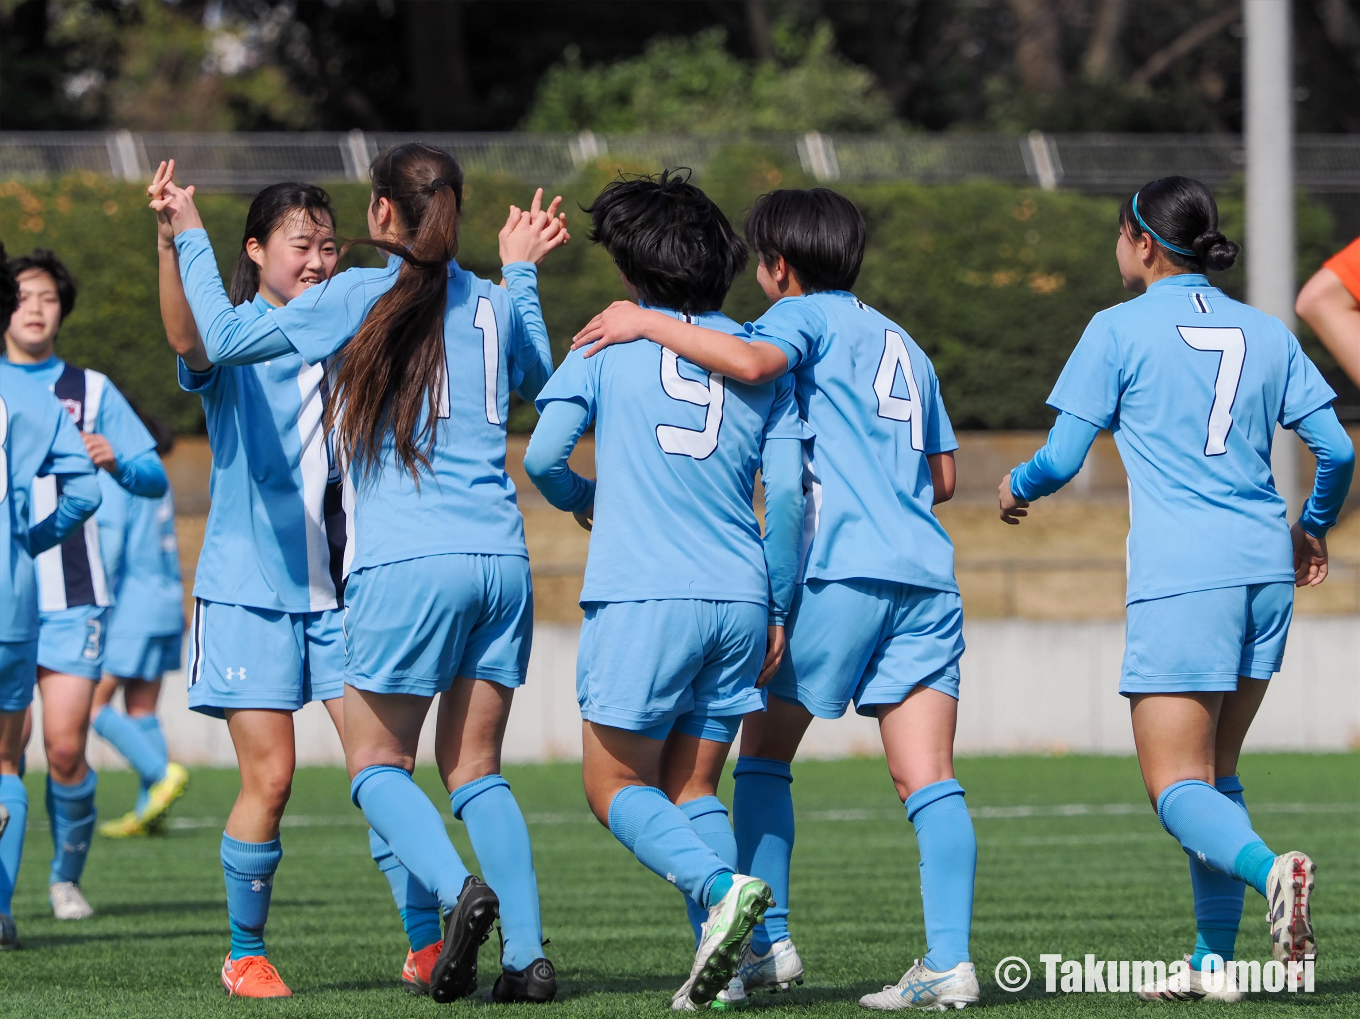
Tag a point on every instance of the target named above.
point(676, 454)
point(1193, 383)
point(871, 396)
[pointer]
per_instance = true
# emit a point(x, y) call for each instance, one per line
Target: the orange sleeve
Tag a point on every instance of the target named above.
point(1346, 264)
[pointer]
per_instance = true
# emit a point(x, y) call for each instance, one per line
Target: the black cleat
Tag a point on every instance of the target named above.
point(466, 926)
point(536, 983)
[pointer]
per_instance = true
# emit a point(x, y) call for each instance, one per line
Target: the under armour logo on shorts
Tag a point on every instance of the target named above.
point(241, 674)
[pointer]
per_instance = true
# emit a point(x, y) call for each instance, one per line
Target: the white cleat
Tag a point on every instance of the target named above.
point(731, 998)
point(776, 969)
point(67, 901)
point(723, 936)
point(1289, 895)
point(924, 989)
point(1189, 986)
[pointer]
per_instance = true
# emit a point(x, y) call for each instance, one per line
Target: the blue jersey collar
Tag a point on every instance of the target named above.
point(1183, 279)
point(41, 366)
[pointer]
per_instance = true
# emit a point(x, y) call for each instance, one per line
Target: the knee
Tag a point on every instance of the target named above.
point(271, 789)
point(65, 757)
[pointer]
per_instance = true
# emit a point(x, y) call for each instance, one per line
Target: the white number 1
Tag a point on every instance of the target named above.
point(895, 355)
point(1232, 348)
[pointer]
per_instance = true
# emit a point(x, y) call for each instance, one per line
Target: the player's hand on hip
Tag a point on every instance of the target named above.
point(586, 517)
point(99, 450)
point(621, 322)
point(774, 654)
point(1310, 557)
point(1012, 506)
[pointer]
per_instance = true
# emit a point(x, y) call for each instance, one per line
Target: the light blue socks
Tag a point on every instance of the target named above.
point(944, 833)
point(709, 817)
point(1213, 829)
point(418, 908)
point(155, 737)
point(500, 838)
point(15, 798)
point(406, 820)
point(71, 813)
point(1218, 896)
point(663, 839)
point(762, 817)
point(248, 868)
point(131, 738)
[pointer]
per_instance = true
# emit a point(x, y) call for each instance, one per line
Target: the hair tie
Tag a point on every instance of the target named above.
point(437, 183)
point(1147, 229)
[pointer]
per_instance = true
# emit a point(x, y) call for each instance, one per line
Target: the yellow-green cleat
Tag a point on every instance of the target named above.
point(164, 793)
point(126, 827)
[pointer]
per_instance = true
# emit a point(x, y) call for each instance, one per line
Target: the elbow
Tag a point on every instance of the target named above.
point(537, 465)
point(944, 493)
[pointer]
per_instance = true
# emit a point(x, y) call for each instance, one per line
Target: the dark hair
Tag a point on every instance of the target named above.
point(669, 239)
point(160, 430)
point(270, 209)
point(9, 289)
point(1180, 211)
point(45, 260)
point(819, 233)
point(393, 369)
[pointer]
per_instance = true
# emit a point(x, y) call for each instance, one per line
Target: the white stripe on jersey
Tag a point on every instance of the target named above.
point(51, 579)
point(812, 510)
point(94, 396)
point(314, 467)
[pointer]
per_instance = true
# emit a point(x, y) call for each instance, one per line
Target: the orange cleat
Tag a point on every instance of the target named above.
point(415, 975)
point(253, 977)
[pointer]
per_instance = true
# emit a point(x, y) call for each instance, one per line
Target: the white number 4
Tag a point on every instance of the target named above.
point(1232, 348)
point(696, 442)
point(896, 408)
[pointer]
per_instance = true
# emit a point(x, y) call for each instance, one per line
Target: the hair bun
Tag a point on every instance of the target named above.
point(1215, 251)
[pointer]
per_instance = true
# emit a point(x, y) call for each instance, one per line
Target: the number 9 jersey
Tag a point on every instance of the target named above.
point(872, 398)
point(1192, 384)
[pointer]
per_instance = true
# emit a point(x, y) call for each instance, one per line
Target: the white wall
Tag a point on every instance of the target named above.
point(1027, 686)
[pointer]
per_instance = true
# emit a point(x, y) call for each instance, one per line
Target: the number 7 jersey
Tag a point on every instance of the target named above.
point(872, 398)
point(1192, 384)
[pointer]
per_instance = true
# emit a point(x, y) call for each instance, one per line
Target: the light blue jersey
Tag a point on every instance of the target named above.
point(37, 440)
point(676, 452)
point(1193, 385)
point(149, 594)
point(276, 529)
point(871, 396)
point(495, 343)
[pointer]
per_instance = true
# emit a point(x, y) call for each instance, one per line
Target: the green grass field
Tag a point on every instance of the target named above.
point(1101, 878)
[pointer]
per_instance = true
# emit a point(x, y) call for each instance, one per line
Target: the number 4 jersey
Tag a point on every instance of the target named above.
point(676, 454)
point(871, 396)
point(1193, 383)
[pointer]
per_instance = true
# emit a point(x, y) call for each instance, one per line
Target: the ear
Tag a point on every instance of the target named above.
point(255, 252)
point(385, 215)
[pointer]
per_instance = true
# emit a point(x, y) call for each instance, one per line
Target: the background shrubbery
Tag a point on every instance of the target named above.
point(996, 282)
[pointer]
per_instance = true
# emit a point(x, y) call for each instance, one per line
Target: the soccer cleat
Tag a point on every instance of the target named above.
point(1289, 895)
point(1189, 987)
point(724, 933)
point(253, 976)
point(125, 827)
point(415, 975)
point(927, 990)
point(165, 792)
point(67, 901)
point(776, 969)
point(9, 934)
point(731, 998)
point(535, 984)
point(467, 925)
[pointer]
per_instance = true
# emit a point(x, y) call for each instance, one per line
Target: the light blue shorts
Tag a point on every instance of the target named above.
point(72, 641)
point(1204, 640)
point(18, 674)
point(648, 666)
point(414, 626)
point(143, 657)
point(870, 641)
point(243, 657)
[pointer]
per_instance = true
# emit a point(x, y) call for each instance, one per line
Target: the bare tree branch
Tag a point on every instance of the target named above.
point(1109, 19)
point(1185, 43)
point(1038, 46)
point(758, 21)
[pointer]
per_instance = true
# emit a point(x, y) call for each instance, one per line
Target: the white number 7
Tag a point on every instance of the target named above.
point(1232, 347)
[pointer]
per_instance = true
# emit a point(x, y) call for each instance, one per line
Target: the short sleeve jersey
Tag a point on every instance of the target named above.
point(276, 529)
point(676, 454)
point(37, 439)
point(1346, 264)
point(1193, 384)
point(149, 598)
point(871, 396)
point(465, 503)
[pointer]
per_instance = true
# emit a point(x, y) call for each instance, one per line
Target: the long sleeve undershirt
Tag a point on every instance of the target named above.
point(1321, 431)
point(77, 502)
point(559, 427)
point(143, 475)
point(1058, 462)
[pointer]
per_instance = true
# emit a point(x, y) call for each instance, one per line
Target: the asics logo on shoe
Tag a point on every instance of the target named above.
point(919, 990)
point(241, 674)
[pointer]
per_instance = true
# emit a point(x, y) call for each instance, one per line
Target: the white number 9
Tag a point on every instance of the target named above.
point(694, 442)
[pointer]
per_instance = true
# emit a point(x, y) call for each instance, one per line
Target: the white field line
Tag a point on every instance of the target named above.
point(823, 816)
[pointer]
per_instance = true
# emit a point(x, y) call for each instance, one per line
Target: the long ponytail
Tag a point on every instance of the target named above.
point(393, 371)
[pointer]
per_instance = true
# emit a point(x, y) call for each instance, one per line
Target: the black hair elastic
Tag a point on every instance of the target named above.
point(437, 183)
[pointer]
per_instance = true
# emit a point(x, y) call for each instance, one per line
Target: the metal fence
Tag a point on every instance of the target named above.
point(1084, 162)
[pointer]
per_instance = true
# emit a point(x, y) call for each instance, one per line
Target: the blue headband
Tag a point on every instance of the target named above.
point(1147, 229)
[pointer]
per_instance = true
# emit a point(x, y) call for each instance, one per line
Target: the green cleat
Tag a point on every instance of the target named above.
point(725, 933)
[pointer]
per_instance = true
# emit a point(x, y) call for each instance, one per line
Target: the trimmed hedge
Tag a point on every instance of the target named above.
point(996, 282)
